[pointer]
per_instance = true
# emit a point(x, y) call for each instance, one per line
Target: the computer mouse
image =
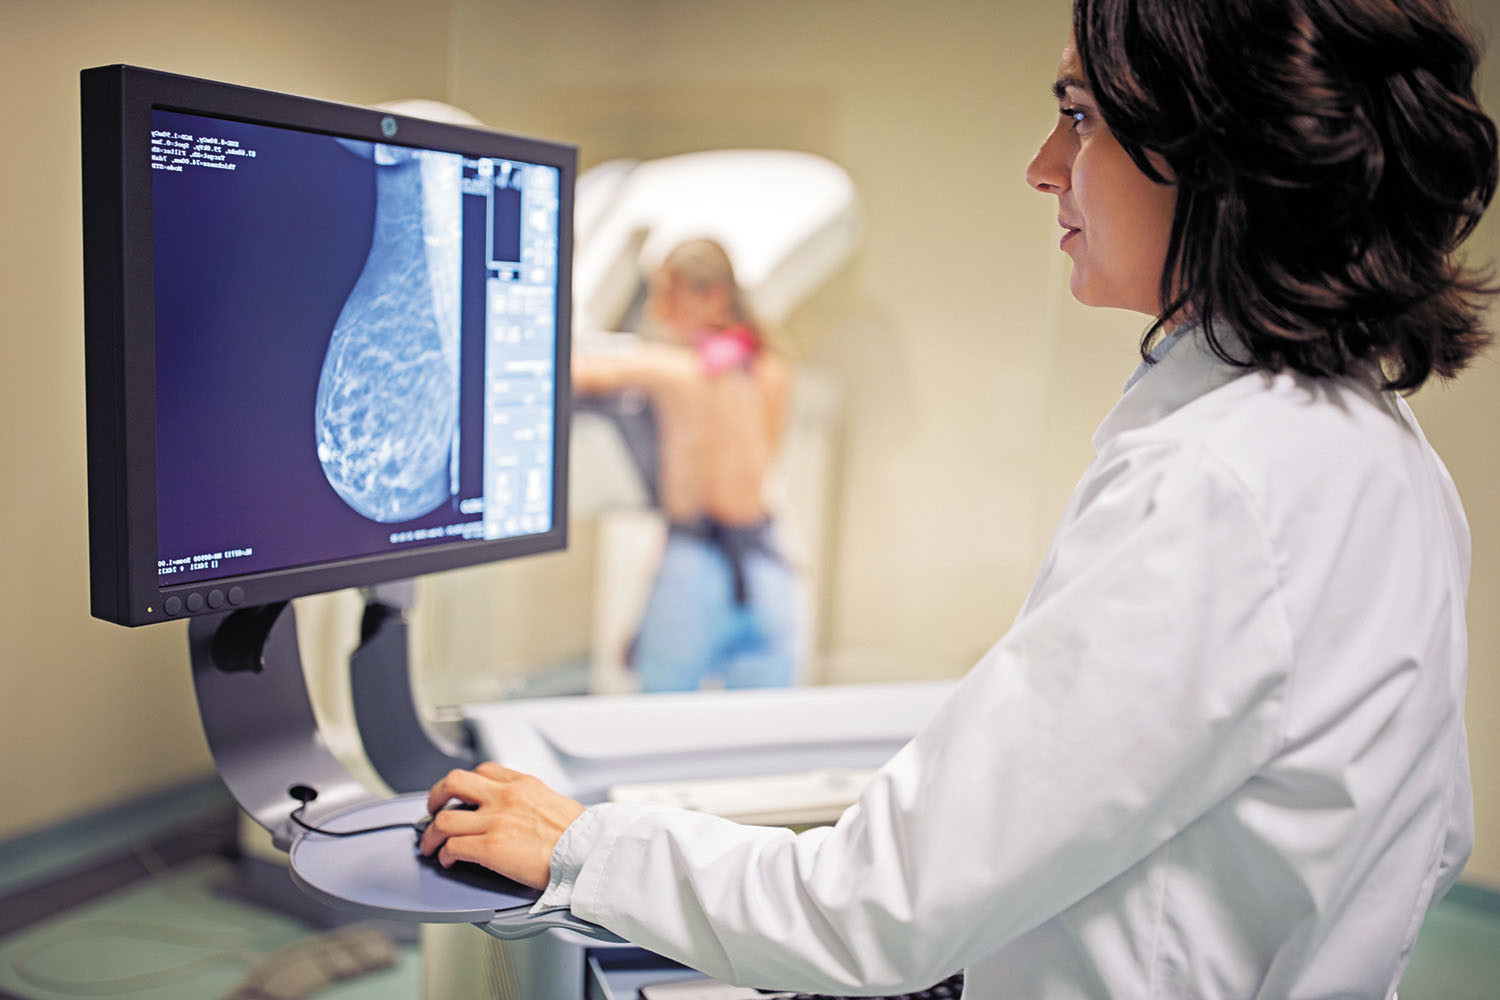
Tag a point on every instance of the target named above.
point(465, 871)
point(422, 824)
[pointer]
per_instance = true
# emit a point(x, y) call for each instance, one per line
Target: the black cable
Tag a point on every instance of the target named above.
point(295, 818)
point(306, 794)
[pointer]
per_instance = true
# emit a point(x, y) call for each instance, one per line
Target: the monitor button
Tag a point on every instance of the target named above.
point(236, 595)
point(173, 606)
point(216, 599)
point(195, 602)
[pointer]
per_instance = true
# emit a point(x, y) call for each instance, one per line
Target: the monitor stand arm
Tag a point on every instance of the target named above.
point(260, 726)
point(259, 721)
point(407, 753)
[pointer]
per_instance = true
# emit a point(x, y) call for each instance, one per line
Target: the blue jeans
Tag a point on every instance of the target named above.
point(694, 629)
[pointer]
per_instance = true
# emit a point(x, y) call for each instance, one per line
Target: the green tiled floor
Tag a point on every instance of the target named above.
point(1458, 952)
point(174, 937)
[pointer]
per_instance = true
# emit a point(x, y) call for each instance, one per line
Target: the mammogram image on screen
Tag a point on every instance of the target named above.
point(386, 417)
point(355, 346)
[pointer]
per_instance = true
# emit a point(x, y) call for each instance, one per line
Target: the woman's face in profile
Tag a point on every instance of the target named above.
point(1116, 221)
point(682, 311)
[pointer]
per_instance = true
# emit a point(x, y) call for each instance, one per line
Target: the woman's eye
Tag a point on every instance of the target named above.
point(1074, 113)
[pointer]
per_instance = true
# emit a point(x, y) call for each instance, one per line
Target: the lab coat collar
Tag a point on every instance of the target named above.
point(1183, 368)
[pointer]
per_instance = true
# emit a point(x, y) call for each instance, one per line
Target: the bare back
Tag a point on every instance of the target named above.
point(719, 432)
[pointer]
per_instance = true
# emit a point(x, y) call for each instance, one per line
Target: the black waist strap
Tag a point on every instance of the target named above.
point(736, 541)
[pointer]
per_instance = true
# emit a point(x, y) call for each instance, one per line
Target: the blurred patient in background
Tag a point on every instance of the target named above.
point(722, 605)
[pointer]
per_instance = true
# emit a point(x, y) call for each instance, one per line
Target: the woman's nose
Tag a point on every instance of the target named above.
point(1050, 168)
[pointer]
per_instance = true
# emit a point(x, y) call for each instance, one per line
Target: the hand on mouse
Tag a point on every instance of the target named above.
point(513, 829)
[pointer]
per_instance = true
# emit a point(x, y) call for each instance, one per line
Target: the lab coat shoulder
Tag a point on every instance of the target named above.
point(1339, 480)
point(1280, 437)
point(1359, 520)
point(1303, 449)
point(1356, 508)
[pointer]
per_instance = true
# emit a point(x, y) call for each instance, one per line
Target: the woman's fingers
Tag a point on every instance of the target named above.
point(455, 784)
point(513, 830)
point(498, 850)
point(448, 823)
point(496, 772)
point(466, 848)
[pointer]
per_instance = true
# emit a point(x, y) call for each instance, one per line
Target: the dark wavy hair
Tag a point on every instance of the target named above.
point(1330, 157)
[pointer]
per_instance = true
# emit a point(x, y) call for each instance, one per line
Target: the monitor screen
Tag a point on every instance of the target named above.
point(326, 345)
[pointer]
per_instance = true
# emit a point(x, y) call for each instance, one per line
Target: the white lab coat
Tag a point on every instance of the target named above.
point(1220, 752)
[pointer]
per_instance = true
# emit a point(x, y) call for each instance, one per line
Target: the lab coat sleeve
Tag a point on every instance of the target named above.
point(1142, 683)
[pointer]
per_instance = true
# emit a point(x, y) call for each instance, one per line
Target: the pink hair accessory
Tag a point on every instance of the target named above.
point(725, 349)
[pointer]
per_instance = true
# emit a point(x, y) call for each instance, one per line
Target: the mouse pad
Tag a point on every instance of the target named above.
point(381, 874)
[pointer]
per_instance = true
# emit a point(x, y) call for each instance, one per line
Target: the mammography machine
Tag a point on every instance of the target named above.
point(327, 347)
point(789, 220)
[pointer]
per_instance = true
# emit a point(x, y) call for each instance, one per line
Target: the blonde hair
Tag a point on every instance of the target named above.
point(704, 263)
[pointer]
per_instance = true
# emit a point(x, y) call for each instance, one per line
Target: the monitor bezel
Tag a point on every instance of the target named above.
point(119, 338)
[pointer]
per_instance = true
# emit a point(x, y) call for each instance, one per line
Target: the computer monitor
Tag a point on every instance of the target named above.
point(326, 346)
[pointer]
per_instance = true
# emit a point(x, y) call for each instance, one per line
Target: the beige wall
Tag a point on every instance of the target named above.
point(972, 381)
point(1461, 420)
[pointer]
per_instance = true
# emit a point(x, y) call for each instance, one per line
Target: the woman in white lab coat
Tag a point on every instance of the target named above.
point(1220, 753)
